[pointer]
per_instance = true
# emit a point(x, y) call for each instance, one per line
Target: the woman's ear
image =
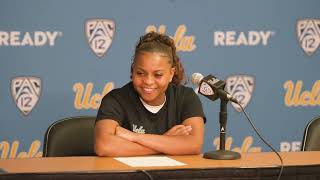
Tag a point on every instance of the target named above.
point(172, 72)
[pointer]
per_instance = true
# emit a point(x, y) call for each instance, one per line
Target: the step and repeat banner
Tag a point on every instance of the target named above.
point(59, 58)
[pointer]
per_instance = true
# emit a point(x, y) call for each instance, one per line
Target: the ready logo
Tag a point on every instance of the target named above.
point(26, 91)
point(308, 34)
point(240, 87)
point(241, 38)
point(36, 38)
point(99, 34)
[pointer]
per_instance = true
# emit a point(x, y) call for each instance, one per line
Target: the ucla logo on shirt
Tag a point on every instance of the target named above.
point(99, 33)
point(139, 129)
point(308, 34)
point(26, 92)
point(240, 87)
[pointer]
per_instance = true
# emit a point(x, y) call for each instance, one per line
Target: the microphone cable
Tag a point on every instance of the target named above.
point(255, 129)
point(146, 173)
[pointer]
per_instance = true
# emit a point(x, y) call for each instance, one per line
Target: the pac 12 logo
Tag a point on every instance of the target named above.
point(240, 87)
point(26, 92)
point(308, 34)
point(99, 33)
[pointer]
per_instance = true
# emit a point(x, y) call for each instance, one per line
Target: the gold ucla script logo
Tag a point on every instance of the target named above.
point(296, 97)
point(84, 99)
point(99, 33)
point(10, 150)
point(26, 92)
point(240, 87)
point(182, 41)
point(245, 147)
point(308, 33)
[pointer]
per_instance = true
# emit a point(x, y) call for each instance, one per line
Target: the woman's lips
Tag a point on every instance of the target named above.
point(148, 90)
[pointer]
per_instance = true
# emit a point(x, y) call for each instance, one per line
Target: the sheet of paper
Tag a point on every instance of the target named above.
point(149, 161)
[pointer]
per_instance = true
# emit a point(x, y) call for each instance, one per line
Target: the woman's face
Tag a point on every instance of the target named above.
point(151, 75)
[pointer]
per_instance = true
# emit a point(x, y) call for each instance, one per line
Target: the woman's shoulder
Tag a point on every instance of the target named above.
point(181, 89)
point(125, 88)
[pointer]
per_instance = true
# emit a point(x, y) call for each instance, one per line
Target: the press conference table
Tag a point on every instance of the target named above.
point(265, 165)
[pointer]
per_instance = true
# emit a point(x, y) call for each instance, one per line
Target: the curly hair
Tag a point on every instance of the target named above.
point(156, 42)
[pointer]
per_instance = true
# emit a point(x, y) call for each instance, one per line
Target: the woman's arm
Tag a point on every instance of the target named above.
point(169, 143)
point(108, 144)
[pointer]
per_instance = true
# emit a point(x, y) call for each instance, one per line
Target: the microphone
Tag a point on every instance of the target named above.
point(211, 87)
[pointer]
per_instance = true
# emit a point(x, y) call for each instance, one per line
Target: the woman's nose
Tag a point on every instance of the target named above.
point(148, 80)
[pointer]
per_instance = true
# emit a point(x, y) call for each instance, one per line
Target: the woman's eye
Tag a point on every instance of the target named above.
point(158, 75)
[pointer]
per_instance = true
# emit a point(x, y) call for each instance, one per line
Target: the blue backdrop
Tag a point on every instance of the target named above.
point(58, 58)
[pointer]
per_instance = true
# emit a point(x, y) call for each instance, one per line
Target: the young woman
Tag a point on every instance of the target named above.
point(154, 113)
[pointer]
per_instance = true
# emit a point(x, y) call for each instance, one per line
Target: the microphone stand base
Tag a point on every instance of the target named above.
point(222, 155)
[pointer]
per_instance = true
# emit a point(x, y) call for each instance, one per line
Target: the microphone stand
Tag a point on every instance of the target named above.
point(222, 153)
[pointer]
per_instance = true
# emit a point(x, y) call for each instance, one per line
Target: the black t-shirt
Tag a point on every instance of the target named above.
point(124, 106)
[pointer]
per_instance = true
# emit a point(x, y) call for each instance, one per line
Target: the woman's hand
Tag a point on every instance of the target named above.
point(125, 134)
point(179, 130)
